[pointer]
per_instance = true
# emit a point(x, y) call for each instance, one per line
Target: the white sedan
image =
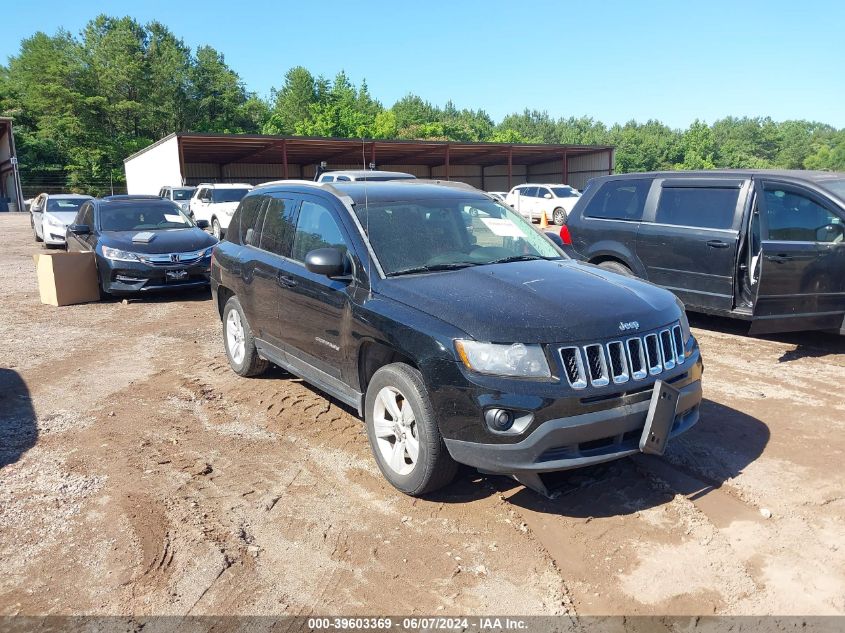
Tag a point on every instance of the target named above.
point(50, 214)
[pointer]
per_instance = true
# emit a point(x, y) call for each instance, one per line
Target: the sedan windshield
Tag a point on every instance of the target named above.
point(142, 216)
point(65, 204)
point(410, 237)
point(182, 194)
point(228, 195)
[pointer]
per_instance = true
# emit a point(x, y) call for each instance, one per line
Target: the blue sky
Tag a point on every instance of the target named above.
point(613, 61)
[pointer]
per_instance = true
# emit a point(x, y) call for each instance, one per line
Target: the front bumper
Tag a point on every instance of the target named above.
point(54, 236)
point(578, 440)
point(118, 277)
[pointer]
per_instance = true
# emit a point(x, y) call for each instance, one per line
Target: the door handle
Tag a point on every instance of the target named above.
point(286, 281)
point(779, 258)
point(717, 244)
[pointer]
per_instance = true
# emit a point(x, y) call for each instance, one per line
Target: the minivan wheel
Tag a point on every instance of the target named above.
point(215, 229)
point(559, 217)
point(617, 267)
point(239, 342)
point(403, 432)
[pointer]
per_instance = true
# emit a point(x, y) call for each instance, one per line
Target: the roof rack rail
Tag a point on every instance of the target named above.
point(325, 186)
point(454, 184)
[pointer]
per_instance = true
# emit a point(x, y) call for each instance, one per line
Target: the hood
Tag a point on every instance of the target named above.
point(63, 217)
point(163, 241)
point(536, 301)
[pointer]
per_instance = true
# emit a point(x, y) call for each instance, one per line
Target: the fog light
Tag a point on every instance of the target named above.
point(499, 419)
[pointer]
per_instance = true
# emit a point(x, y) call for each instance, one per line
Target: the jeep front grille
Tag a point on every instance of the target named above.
point(634, 358)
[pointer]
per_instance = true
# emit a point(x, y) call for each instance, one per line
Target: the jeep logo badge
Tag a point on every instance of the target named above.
point(630, 325)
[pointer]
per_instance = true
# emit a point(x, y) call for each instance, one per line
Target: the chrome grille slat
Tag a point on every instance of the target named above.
point(573, 367)
point(667, 349)
point(618, 362)
point(621, 361)
point(596, 365)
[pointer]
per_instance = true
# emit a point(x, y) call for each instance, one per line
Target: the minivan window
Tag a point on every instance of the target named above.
point(249, 210)
point(277, 232)
point(792, 217)
point(315, 228)
point(703, 207)
point(619, 200)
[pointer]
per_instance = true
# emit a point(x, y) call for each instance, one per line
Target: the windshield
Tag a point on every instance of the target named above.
point(564, 192)
point(182, 194)
point(836, 186)
point(65, 204)
point(228, 195)
point(409, 236)
point(142, 216)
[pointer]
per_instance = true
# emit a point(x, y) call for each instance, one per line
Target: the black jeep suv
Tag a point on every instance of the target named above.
point(454, 327)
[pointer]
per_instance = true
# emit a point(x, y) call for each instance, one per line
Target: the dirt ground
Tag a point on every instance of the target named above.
point(139, 475)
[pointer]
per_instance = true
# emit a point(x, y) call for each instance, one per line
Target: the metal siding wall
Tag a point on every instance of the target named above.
point(148, 172)
point(583, 168)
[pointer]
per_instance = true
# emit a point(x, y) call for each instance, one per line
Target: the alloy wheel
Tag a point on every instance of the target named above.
point(235, 337)
point(396, 432)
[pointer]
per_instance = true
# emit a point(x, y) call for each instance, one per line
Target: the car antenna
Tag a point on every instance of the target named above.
point(367, 222)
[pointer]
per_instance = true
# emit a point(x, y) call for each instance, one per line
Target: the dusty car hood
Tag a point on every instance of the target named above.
point(163, 241)
point(536, 301)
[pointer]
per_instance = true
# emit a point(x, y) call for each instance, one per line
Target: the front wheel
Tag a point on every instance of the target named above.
point(216, 229)
point(559, 217)
point(35, 232)
point(403, 433)
point(239, 341)
point(617, 267)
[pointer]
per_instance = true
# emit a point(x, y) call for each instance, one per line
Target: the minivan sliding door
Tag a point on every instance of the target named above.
point(689, 237)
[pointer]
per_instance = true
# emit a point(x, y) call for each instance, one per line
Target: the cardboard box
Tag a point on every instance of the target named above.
point(67, 278)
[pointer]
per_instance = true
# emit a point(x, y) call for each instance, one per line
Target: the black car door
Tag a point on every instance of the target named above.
point(313, 307)
point(689, 237)
point(802, 260)
point(263, 263)
point(83, 241)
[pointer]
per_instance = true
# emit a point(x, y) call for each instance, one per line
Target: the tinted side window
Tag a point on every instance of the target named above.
point(316, 228)
point(247, 216)
point(530, 192)
point(619, 200)
point(87, 213)
point(343, 179)
point(704, 207)
point(792, 217)
point(277, 233)
point(326, 178)
point(542, 191)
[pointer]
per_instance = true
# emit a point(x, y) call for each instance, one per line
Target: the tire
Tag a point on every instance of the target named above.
point(35, 233)
point(434, 468)
point(617, 267)
point(216, 229)
point(244, 361)
point(559, 216)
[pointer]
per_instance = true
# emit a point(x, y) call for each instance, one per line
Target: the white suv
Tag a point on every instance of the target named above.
point(530, 200)
point(215, 203)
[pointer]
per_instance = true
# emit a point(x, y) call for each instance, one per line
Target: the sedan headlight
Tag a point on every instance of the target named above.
point(518, 360)
point(685, 329)
point(53, 221)
point(120, 256)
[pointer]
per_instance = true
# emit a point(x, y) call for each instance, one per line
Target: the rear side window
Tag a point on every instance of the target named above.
point(247, 215)
point(619, 200)
point(316, 228)
point(702, 207)
point(277, 233)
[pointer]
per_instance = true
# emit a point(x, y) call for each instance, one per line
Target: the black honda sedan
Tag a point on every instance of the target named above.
point(142, 243)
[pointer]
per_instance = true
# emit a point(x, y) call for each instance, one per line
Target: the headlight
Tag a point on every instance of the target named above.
point(53, 221)
point(119, 255)
point(522, 361)
point(685, 331)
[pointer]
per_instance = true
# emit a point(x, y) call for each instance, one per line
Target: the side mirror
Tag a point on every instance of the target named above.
point(547, 196)
point(325, 261)
point(829, 232)
point(202, 224)
point(79, 229)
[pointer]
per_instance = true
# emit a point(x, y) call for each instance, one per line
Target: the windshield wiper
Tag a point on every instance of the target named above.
point(520, 258)
point(433, 267)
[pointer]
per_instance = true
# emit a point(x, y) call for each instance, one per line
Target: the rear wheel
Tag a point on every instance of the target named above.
point(617, 267)
point(559, 216)
point(403, 433)
point(239, 341)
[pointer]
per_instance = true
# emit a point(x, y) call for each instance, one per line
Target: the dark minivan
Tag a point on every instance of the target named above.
point(763, 246)
point(458, 331)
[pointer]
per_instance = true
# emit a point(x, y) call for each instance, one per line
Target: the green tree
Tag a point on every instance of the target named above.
point(698, 147)
point(292, 104)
